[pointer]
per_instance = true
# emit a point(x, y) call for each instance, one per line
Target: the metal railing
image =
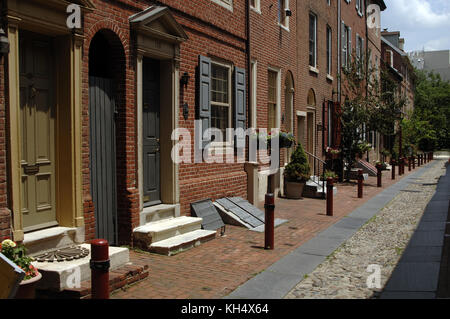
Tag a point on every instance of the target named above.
point(317, 169)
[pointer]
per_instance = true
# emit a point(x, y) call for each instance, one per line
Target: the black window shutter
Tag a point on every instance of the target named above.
point(204, 91)
point(240, 113)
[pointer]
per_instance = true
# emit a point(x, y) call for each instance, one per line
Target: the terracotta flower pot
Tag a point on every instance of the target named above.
point(27, 288)
point(294, 190)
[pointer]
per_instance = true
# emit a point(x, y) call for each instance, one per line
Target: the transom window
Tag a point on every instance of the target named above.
point(220, 97)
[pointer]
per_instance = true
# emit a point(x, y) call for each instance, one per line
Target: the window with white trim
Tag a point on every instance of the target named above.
point(272, 100)
point(220, 96)
point(329, 50)
point(255, 5)
point(359, 7)
point(312, 40)
point(225, 3)
point(283, 13)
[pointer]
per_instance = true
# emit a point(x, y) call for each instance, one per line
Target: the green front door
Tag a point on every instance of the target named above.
point(37, 125)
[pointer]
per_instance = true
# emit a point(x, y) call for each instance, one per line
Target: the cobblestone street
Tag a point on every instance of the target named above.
point(381, 241)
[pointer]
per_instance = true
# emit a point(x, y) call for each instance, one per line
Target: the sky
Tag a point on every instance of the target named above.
point(425, 24)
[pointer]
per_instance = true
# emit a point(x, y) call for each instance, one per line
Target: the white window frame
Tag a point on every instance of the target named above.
point(330, 50)
point(227, 4)
point(254, 93)
point(228, 140)
point(315, 39)
point(257, 6)
point(283, 23)
point(359, 7)
point(278, 106)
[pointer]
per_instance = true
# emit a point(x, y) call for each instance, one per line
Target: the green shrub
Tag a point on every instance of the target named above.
point(298, 168)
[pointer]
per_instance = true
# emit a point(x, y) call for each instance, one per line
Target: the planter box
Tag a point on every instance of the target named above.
point(294, 190)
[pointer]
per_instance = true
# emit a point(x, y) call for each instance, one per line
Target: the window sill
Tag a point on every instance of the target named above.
point(313, 69)
point(258, 11)
point(330, 78)
point(283, 27)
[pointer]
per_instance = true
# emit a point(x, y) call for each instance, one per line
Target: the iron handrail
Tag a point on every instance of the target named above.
point(316, 169)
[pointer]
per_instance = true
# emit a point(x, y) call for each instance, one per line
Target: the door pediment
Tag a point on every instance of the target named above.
point(158, 22)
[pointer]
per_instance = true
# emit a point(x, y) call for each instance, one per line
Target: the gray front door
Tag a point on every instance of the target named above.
point(151, 153)
point(103, 157)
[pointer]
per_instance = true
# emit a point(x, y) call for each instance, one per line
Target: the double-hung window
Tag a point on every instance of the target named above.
point(255, 5)
point(225, 3)
point(283, 16)
point(272, 100)
point(220, 96)
point(313, 40)
point(329, 50)
point(359, 7)
point(346, 44)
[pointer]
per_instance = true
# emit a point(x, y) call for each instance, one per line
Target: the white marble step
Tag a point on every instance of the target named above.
point(158, 212)
point(157, 231)
point(182, 242)
point(54, 237)
point(68, 274)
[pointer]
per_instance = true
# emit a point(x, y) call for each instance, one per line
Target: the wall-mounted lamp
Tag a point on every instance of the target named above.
point(288, 12)
point(4, 42)
point(185, 79)
point(185, 111)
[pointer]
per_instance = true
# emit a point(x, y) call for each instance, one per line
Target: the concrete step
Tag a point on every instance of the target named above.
point(68, 274)
point(157, 213)
point(182, 242)
point(50, 238)
point(154, 232)
point(312, 190)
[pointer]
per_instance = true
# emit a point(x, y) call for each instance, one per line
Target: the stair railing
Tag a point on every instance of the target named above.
point(318, 167)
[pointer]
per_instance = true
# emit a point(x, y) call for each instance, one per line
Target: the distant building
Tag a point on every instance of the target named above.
point(436, 61)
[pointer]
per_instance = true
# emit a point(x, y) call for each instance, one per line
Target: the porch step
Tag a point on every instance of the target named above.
point(157, 213)
point(50, 238)
point(367, 167)
point(58, 276)
point(128, 274)
point(157, 231)
point(182, 242)
point(313, 188)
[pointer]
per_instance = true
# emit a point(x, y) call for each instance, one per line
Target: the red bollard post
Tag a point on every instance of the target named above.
point(379, 175)
point(330, 184)
point(409, 164)
point(400, 163)
point(269, 226)
point(418, 160)
point(425, 158)
point(414, 162)
point(393, 169)
point(99, 269)
point(360, 183)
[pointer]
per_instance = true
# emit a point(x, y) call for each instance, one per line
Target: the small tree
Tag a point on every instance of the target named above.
point(298, 168)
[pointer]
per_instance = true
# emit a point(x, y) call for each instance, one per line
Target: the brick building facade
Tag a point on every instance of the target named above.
point(104, 156)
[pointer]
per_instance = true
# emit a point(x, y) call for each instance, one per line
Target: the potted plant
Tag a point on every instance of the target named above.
point(17, 254)
point(329, 174)
point(296, 173)
point(332, 153)
point(363, 148)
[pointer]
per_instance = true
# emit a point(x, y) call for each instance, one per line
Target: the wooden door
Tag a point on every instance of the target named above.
point(103, 157)
point(37, 126)
point(150, 122)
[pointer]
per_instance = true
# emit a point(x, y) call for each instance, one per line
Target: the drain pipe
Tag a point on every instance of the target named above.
point(339, 50)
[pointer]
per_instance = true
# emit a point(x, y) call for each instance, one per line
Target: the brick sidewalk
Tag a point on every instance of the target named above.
point(216, 268)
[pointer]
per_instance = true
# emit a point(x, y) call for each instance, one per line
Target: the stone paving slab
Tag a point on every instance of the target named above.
point(323, 245)
point(408, 295)
point(414, 277)
point(422, 254)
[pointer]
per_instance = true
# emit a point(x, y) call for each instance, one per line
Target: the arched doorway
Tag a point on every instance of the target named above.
point(289, 107)
point(106, 72)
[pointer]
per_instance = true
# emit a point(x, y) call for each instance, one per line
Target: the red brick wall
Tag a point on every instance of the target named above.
point(5, 213)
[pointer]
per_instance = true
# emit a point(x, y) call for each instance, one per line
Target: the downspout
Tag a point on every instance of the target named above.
point(249, 68)
point(339, 50)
